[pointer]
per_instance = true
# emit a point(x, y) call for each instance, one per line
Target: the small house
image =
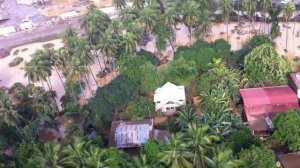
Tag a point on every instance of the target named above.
point(262, 104)
point(169, 98)
point(290, 160)
point(130, 134)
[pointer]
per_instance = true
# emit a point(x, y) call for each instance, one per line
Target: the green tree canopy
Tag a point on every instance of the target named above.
point(142, 108)
point(287, 129)
point(265, 67)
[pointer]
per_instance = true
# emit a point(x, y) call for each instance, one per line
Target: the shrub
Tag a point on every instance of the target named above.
point(255, 157)
point(287, 129)
point(112, 98)
point(151, 149)
point(16, 52)
point(149, 56)
point(15, 62)
point(48, 45)
point(221, 47)
point(142, 108)
point(242, 139)
point(259, 40)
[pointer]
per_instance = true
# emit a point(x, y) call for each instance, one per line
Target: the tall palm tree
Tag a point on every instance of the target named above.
point(250, 6)
point(7, 112)
point(109, 44)
point(148, 19)
point(176, 155)
point(120, 4)
point(266, 6)
point(201, 142)
point(204, 27)
point(171, 16)
point(128, 15)
point(223, 158)
point(142, 161)
point(287, 10)
point(226, 7)
point(93, 157)
point(190, 15)
point(129, 40)
point(138, 4)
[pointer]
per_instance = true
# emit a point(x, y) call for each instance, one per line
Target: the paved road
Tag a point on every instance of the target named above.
point(36, 34)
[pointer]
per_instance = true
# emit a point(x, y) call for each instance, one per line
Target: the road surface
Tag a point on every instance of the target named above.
point(35, 34)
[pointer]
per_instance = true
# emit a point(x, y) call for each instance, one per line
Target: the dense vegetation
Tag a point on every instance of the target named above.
point(209, 134)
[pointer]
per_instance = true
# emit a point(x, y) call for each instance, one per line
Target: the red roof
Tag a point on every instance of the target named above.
point(260, 103)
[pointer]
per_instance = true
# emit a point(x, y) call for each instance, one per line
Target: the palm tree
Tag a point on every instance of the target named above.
point(7, 112)
point(223, 158)
point(148, 19)
point(142, 161)
point(109, 44)
point(128, 15)
point(74, 154)
point(93, 157)
point(129, 40)
point(176, 154)
point(201, 142)
point(49, 155)
point(187, 116)
point(190, 15)
point(204, 27)
point(266, 5)
point(138, 4)
point(287, 10)
point(204, 4)
point(171, 16)
point(120, 4)
point(226, 7)
point(250, 6)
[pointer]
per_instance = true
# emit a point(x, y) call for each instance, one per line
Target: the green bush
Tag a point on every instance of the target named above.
point(112, 98)
point(15, 62)
point(259, 40)
point(149, 56)
point(242, 139)
point(151, 149)
point(258, 157)
point(142, 108)
point(287, 129)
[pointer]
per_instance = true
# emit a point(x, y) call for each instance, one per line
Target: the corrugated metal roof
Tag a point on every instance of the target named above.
point(290, 160)
point(268, 95)
point(263, 103)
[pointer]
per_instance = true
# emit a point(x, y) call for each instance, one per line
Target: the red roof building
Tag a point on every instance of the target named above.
point(261, 104)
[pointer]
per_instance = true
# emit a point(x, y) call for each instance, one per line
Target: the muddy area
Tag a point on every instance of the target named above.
point(4, 52)
point(18, 13)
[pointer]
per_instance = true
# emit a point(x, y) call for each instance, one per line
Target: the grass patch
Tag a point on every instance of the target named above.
point(15, 62)
point(48, 45)
point(16, 52)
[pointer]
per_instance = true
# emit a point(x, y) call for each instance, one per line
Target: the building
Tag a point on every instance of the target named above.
point(290, 160)
point(130, 134)
point(262, 104)
point(169, 98)
point(294, 82)
point(4, 31)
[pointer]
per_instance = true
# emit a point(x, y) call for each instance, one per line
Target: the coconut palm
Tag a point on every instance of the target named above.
point(148, 18)
point(200, 140)
point(138, 4)
point(109, 44)
point(142, 161)
point(226, 7)
point(171, 16)
point(93, 157)
point(128, 15)
point(287, 10)
point(223, 158)
point(74, 153)
point(129, 40)
point(204, 4)
point(266, 6)
point(7, 112)
point(49, 155)
point(204, 27)
point(250, 6)
point(190, 15)
point(186, 116)
point(120, 4)
point(176, 155)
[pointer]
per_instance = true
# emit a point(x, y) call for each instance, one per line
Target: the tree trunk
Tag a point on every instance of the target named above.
point(190, 32)
point(238, 1)
point(50, 83)
point(87, 82)
point(60, 77)
point(97, 56)
point(171, 45)
point(92, 75)
point(287, 34)
point(82, 91)
point(227, 20)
